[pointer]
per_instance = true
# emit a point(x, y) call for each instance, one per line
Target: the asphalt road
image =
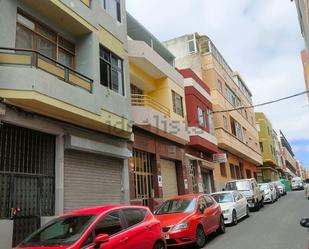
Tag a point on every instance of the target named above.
point(276, 226)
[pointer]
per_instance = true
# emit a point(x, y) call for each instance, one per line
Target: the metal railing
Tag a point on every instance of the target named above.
point(145, 100)
point(33, 58)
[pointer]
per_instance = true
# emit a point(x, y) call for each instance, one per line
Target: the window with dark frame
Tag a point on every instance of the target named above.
point(223, 169)
point(112, 7)
point(111, 71)
point(201, 117)
point(177, 103)
point(232, 170)
point(248, 173)
point(32, 34)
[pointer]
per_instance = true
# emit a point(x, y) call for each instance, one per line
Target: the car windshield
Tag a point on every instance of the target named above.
point(239, 185)
point(264, 186)
point(177, 206)
point(223, 198)
point(61, 231)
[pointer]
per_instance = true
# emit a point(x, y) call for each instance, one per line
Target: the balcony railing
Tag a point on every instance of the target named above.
point(32, 58)
point(145, 100)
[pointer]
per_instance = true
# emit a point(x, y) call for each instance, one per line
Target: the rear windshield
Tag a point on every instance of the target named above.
point(177, 206)
point(264, 186)
point(239, 185)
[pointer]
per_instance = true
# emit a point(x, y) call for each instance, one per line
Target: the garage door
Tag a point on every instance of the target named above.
point(90, 180)
point(169, 178)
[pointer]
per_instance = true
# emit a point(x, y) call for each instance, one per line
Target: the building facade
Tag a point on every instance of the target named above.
point(158, 165)
point(290, 163)
point(268, 171)
point(203, 143)
point(63, 143)
point(235, 131)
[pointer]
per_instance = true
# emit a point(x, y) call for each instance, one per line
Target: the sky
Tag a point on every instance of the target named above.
point(261, 39)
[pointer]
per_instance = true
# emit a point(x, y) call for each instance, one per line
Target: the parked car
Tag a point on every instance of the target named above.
point(188, 219)
point(108, 227)
point(233, 204)
point(249, 189)
point(281, 187)
point(297, 183)
point(270, 194)
point(276, 189)
point(305, 222)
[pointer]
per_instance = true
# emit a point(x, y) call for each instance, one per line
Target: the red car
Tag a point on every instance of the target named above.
point(108, 227)
point(189, 218)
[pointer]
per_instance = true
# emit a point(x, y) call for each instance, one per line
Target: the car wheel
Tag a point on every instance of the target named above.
point(200, 238)
point(159, 245)
point(272, 199)
point(262, 202)
point(257, 206)
point(221, 228)
point(234, 218)
point(248, 212)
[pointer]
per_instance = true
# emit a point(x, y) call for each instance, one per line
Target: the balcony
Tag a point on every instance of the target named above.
point(145, 100)
point(202, 140)
point(31, 58)
point(229, 142)
point(150, 115)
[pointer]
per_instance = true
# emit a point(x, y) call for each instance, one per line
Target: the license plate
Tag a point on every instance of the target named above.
point(166, 236)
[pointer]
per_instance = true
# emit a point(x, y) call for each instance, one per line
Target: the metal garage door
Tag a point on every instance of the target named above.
point(90, 180)
point(169, 178)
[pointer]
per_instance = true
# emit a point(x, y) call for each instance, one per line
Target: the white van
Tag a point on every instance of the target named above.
point(297, 183)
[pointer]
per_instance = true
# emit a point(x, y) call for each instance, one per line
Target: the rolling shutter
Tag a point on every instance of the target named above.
point(169, 178)
point(90, 180)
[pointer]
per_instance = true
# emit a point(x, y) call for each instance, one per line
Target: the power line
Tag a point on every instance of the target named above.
point(262, 104)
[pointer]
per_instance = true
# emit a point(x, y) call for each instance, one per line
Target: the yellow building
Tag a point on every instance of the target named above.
point(268, 171)
point(235, 130)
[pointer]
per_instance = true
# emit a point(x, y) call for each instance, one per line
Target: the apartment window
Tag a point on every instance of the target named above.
point(232, 98)
point(261, 146)
point(245, 137)
point(225, 123)
point(248, 173)
point(201, 117)
point(220, 88)
point(210, 121)
point(112, 7)
point(192, 46)
point(258, 127)
point(223, 169)
point(111, 71)
point(232, 170)
point(236, 129)
point(237, 170)
point(177, 103)
point(31, 34)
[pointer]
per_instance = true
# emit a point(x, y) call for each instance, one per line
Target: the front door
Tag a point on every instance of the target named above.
point(27, 181)
point(169, 178)
point(206, 182)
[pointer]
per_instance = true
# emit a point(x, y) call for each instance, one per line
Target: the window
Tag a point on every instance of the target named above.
point(209, 201)
point(236, 129)
point(261, 146)
point(225, 125)
point(110, 224)
point(134, 216)
point(258, 127)
point(244, 132)
point(210, 121)
point(112, 7)
point(192, 46)
point(220, 86)
point(223, 169)
point(248, 173)
point(232, 169)
point(177, 103)
point(201, 117)
point(177, 206)
point(232, 98)
point(31, 34)
point(237, 170)
point(111, 71)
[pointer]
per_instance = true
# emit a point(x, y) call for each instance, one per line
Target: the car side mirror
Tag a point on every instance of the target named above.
point(223, 189)
point(202, 208)
point(100, 239)
point(304, 222)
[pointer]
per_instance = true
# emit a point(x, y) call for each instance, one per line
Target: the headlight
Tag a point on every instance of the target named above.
point(226, 211)
point(180, 226)
point(266, 192)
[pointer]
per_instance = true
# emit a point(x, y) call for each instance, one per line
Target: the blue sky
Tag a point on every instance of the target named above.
point(261, 39)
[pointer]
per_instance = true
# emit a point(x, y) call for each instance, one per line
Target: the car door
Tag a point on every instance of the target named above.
point(237, 204)
point(243, 204)
point(113, 225)
point(140, 233)
point(212, 213)
point(204, 217)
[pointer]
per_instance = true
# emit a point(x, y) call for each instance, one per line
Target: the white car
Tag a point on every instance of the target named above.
point(270, 194)
point(233, 204)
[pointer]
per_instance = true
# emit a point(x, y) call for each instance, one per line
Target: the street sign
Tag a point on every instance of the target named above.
point(219, 158)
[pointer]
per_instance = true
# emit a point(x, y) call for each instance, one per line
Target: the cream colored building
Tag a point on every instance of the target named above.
point(235, 130)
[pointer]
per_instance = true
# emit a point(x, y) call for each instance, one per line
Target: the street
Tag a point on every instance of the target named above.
point(276, 226)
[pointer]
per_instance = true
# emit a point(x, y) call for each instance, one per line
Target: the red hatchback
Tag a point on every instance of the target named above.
point(189, 218)
point(109, 227)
